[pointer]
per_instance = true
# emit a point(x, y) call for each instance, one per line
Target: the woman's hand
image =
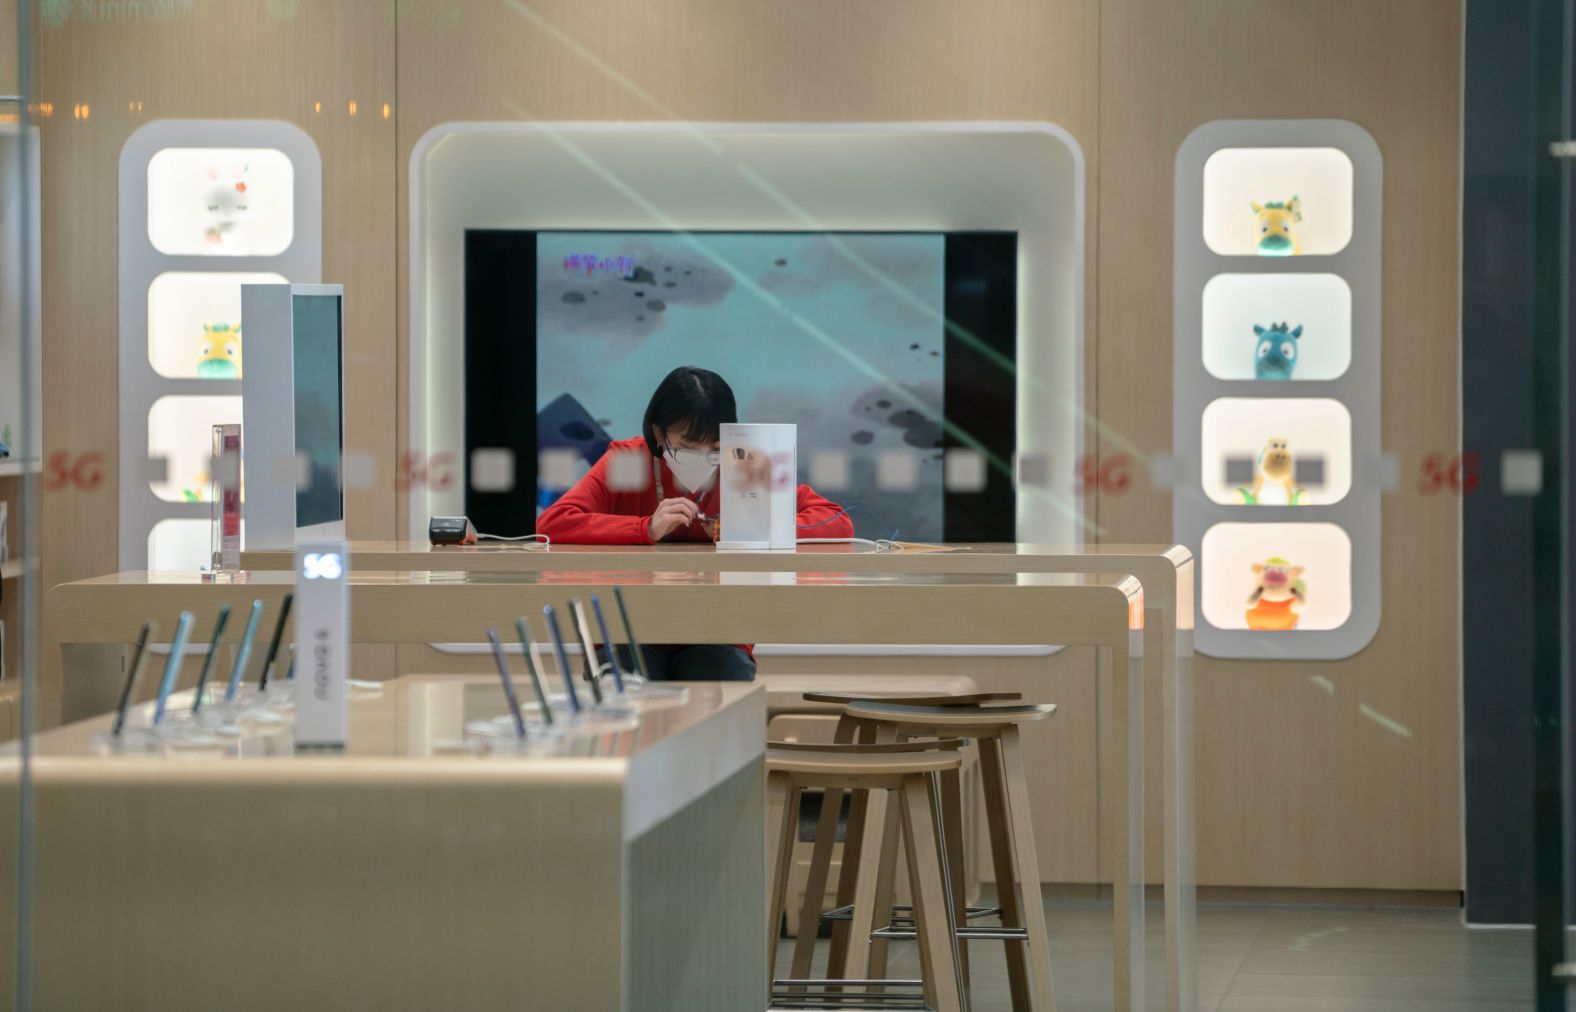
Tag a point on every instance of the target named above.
point(671, 515)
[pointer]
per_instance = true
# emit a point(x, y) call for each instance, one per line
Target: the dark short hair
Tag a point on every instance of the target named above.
point(698, 398)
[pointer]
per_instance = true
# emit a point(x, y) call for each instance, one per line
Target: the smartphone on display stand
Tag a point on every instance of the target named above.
point(629, 634)
point(612, 653)
point(172, 667)
point(133, 670)
point(563, 657)
point(508, 682)
point(207, 662)
point(273, 644)
point(593, 670)
point(533, 668)
point(243, 653)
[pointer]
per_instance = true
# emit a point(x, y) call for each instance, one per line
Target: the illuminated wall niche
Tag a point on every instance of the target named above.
point(205, 207)
point(1276, 304)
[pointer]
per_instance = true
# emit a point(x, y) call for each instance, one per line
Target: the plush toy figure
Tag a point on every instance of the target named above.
point(1275, 219)
point(221, 352)
point(226, 201)
point(1272, 486)
point(1277, 589)
point(1276, 356)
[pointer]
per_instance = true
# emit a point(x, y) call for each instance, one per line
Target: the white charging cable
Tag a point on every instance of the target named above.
point(543, 541)
point(880, 544)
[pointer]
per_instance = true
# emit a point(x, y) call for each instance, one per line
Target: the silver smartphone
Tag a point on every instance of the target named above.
point(593, 669)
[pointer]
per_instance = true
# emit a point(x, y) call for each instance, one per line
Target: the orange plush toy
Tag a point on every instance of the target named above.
point(1279, 590)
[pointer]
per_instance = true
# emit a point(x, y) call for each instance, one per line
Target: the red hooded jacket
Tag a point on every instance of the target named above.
point(592, 513)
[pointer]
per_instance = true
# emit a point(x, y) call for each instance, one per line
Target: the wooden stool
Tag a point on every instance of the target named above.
point(995, 730)
point(910, 770)
point(841, 914)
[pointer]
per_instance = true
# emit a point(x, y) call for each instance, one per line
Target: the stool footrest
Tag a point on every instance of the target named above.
point(899, 995)
point(896, 933)
point(846, 913)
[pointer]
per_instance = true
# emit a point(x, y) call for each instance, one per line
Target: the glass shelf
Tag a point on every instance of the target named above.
point(1319, 304)
point(180, 429)
point(183, 545)
point(221, 201)
point(194, 319)
point(1318, 179)
point(1317, 556)
point(1310, 435)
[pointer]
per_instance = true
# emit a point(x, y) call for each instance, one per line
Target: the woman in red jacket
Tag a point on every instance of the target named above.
point(673, 502)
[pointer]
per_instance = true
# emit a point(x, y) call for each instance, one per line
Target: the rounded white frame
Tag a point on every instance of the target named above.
point(1026, 177)
point(1360, 264)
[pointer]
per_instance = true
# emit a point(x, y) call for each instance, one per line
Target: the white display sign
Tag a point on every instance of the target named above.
point(759, 486)
point(322, 637)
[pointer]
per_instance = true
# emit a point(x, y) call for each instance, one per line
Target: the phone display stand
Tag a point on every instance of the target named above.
point(642, 694)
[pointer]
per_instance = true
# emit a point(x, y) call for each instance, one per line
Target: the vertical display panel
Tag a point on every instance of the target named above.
point(1275, 371)
point(205, 206)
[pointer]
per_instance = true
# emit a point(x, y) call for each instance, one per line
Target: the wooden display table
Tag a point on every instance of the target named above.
point(1103, 611)
point(1165, 572)
point(629, 875)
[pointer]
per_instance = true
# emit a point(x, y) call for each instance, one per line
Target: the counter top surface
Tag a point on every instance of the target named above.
point(416, 717)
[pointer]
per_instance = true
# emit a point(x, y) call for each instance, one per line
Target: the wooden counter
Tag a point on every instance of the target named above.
point(626, 875)
point(823, 606)
point(1164, 571)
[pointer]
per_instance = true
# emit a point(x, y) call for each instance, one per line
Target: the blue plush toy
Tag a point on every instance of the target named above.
point(1277, 351)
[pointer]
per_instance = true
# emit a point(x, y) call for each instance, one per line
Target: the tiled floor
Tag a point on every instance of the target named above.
point(1280, 959)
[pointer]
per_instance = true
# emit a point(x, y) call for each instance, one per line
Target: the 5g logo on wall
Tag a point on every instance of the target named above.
point(324, 566)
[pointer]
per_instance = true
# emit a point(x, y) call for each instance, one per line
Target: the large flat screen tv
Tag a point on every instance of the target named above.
point(873, 343)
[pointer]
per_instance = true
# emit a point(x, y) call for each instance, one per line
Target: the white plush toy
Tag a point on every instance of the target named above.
point(225, 200)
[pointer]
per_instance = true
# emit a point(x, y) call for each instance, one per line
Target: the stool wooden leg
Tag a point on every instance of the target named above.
point(820, 866)
point(952, 833)
point(837, 960)
point(781, 859)
point(872, 888)
point(932, 909)
point(993, 784)
point(877, 871)
point(1028, 871)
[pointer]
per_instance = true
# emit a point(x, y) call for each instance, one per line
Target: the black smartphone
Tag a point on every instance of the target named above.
point(563, 658)
point(207, 662)
point(243, 653)
point(133, 671)
point(533, 668)
point(508, 682)
point(593, 672)
point(273, 644)
point(612, 654)
point(629, 634)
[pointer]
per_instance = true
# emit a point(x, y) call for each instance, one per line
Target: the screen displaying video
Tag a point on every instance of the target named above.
point(885, 349)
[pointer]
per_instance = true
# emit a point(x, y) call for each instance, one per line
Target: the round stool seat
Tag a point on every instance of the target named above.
point(964, 699)
point(905, 716)
point(834, 762)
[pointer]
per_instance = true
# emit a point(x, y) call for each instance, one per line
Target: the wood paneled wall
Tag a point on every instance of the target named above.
point(227, 60)
point(1352, 781)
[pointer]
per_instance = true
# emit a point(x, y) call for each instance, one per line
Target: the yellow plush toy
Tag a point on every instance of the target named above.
point(221, 352)
point(1275, 219)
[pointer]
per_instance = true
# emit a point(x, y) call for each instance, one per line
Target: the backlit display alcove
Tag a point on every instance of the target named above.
point(1276, 388)
point(581, 181)
point(205, 207)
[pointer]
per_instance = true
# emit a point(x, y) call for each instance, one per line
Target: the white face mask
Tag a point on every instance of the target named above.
point(693, 469)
